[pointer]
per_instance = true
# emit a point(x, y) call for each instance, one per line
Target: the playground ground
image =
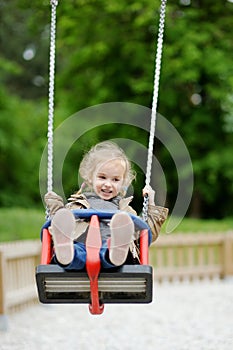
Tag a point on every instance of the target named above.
point(183, 316)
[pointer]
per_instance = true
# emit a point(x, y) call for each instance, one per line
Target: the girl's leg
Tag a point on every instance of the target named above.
point(122, 231)
point(104, 257)
point(68, 254)
point(62, 229)
point(79, 260)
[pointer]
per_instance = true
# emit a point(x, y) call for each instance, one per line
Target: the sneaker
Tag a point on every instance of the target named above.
point(62, 229)
point(122, 230)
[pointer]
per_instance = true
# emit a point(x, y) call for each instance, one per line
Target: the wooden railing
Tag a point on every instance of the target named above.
point(192, 256)
point(17, 276)
point(174, 256)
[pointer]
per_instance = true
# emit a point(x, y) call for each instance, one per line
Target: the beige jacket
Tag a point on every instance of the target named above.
point(156, 214)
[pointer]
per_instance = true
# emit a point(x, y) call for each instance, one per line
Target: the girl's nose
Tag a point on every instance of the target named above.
point(107, 183)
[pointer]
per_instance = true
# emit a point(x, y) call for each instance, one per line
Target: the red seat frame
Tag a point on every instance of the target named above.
point(93, 265)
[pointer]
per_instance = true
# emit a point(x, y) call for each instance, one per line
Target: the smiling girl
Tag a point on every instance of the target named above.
point(107, 173)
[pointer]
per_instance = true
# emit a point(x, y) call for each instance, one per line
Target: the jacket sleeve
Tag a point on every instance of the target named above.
point(156, 217)
point(53, 202)
point(77, 201)
point(124, 205)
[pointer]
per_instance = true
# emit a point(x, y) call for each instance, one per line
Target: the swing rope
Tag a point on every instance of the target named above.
point(54, 4)
point(158, 61)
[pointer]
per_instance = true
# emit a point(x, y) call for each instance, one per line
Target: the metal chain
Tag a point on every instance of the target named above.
point(158, 60)
point(145, 208)
point(54, 4)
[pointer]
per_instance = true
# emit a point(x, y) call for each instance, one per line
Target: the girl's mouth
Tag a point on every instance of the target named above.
point(106, 191)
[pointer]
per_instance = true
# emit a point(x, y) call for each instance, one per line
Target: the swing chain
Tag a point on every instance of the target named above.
point(54, 4)
point(158, 60)
point(145, 208)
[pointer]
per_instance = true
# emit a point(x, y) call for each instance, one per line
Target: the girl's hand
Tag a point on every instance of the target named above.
point(53, 202)
point(147, 190)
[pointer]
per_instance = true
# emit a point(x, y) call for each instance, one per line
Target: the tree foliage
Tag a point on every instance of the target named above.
point(105, 52)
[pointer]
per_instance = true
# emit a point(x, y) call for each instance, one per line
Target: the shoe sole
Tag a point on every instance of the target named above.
point(122, 230)
point(62, 227)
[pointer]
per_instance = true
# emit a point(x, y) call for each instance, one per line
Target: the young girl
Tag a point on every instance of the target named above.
point(107, 173)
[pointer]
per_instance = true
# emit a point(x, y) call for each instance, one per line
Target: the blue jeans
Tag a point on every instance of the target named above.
point(80, 255)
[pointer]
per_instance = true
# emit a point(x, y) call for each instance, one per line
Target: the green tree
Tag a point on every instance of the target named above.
point(196, 90)
point(105, 53)
point(110, 57)
point(24, 41)
point(21, 128)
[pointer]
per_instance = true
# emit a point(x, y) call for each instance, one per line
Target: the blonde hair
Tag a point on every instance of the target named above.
point(100, 153)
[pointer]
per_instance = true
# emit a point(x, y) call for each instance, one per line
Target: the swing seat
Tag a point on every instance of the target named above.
point(127, 284)
point(95, 286)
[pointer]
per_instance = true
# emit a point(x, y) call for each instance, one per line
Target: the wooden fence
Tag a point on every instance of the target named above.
point(173, 257)
point(17, 276)
point(192, 256)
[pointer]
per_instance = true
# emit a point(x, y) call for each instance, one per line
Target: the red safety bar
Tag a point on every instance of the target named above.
point(93, 245)
point(47, 250)
point(144, 243)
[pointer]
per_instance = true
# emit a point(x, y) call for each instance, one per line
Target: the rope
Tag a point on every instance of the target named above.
point(158, 60)
point(54, 4)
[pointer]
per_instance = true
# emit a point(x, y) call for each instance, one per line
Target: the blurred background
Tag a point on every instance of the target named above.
point(105, 51)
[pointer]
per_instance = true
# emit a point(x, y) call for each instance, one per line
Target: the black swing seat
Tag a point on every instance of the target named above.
point(127, 284)
point(96, 286)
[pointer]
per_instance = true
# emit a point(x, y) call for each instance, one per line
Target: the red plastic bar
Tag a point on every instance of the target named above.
point(144, 247)
point(46, 252)
point(93, 245)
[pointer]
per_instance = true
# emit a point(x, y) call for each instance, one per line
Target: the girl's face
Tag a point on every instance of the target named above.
point(108, 178)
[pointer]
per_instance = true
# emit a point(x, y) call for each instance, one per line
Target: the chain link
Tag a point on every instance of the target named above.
point(145, 208)
point(158, 60)
point(54, 4)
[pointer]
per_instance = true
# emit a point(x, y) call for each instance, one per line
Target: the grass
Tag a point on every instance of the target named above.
point(21, 223)
point(188, 225)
